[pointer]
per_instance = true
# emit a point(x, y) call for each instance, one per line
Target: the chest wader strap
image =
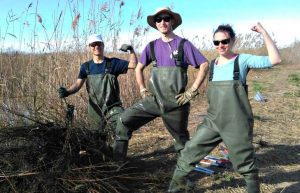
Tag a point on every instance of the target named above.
point(87, 67)
point(87, 71)
point(108, 69)
point(211, 69)
point(154, 61)
point(236, 71)
point(108, 65)
point(179, 57)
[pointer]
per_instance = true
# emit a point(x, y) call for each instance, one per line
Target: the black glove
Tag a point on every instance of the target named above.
point(126, 47)
point(62, 91)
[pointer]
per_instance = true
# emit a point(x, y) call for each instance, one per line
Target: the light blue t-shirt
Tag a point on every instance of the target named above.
point(225, 71)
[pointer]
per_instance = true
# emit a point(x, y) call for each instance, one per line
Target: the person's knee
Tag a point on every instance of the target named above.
point(122, 131)
point(190, 146)
point(250, 173)
point(179, 144)
point(125, 119)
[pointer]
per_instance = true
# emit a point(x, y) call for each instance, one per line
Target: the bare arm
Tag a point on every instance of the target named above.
point(201, 75)
point(132, 60)
point(140, 76)
point(76, 86)
point(273, 51)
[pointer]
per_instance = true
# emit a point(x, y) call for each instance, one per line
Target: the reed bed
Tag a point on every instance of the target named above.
point(40, 144)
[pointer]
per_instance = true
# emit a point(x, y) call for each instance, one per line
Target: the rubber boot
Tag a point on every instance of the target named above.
point(120, 150)
point(252, 186)
point(180, 182)
point(106, 150)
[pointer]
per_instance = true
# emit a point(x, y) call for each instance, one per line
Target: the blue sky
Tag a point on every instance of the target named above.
point(280, 17)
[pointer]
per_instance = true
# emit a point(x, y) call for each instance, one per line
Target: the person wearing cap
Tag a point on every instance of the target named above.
point(100, 74)
point(166, 95)
point(229, 118)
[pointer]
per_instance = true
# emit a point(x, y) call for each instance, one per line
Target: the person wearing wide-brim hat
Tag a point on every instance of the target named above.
point(176, 18)
point(166, 95)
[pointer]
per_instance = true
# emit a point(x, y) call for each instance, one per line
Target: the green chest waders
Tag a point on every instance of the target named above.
point(230, 115)
point(104, 102)
point(167, 82)
point(230, 120)
point(229, 106)
point(164, 83)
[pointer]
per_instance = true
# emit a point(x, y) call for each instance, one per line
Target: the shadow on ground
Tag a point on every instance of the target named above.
point(158, 167)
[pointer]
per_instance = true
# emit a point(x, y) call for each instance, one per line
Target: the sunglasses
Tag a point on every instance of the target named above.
point(96, 44)
point(224, 42)
point(159, 19)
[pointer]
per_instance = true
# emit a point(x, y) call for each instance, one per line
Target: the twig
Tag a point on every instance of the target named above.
point(4, 108)
point(18, 175)
point(6, 178)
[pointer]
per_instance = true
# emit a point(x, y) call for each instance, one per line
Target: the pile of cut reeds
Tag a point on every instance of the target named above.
point(50, 158)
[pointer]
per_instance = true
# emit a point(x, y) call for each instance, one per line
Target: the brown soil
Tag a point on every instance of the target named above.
point(276, 139)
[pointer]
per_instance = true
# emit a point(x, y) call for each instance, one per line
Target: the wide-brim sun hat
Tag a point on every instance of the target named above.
point(175, 16)
point(94, 38)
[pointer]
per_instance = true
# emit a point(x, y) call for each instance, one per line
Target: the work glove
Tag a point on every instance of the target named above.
point(145, 93)
point(62, 91)
point(185, 97)
point(126, 47)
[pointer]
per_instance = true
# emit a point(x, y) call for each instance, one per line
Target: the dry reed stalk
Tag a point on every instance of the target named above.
point(75, 21)
point(39, 19)
point(29, 82)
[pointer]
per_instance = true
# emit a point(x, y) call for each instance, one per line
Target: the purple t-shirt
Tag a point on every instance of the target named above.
point(164, 50)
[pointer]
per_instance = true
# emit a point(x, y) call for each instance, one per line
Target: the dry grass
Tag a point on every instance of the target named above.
point(276, 123)
point(28, 84)
point(29, 95)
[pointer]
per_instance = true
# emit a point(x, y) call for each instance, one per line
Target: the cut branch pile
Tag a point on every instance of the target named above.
point(50, 158)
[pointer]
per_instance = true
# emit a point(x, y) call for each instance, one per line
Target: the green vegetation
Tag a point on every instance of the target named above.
point(257, 87)
point(294, 78)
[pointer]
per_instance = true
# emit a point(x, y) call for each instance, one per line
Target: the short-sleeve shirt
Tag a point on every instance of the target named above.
point(164, 52)
point(118, 66)
point(246, 61)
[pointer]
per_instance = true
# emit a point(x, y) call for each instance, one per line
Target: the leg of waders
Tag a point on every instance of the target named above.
point(176, 121)
point(105, 150)
point(130, 120)
point(95, 149)
point(180, 182)
point(241, 154)
point(203, 142)
point(111, 123)
point(252, 183)
point(120, 150)
point(120, 146)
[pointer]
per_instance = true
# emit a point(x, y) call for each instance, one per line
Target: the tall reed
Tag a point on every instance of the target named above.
point(29, 80)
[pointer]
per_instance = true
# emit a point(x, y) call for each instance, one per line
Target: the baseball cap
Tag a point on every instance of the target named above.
point(94, 38)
